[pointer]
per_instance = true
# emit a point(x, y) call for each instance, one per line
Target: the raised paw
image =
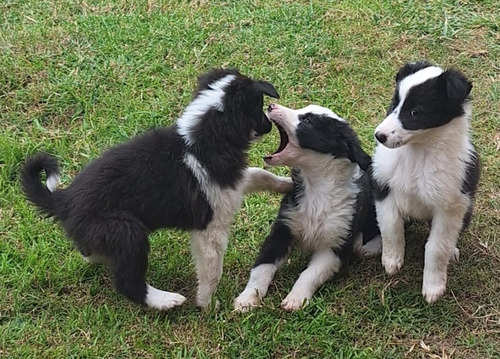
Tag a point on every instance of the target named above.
point(247, 301)
point(161, 300)
point(284, 185)
point(294, 302)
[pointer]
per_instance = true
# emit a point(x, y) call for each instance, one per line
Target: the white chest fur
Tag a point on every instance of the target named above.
point(325, 209)
point(224, 201)
point(425, 176)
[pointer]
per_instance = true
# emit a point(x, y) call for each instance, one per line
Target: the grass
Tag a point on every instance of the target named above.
point(78, 77)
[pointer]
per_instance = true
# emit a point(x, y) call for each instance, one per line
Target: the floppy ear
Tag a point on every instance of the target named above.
point(266, 88)
point(357, 155)
point(457, 86)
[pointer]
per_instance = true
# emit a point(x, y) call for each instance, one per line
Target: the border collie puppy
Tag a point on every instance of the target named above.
point(190, 176)
point(425, 167)
point(328, 209)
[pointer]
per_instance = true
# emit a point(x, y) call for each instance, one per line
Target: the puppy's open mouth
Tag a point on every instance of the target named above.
point(282, 145)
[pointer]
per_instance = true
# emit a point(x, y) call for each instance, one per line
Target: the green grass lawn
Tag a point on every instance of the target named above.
point(78, 77)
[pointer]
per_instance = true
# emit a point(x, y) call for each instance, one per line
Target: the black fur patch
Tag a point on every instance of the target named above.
point(435, 102)
point(379, 191)
point(469, 185)
point(324, 134)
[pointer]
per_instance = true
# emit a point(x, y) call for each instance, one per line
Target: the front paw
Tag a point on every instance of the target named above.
point(284, 185)
point(294, 302)
point(433, 287)
point(392, 263)
point(247, 301)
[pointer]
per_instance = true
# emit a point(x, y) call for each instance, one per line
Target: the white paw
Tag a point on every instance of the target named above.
point(285, 185)
point(161, 300)
point(294, 302)
point(371, 249)
point(247, 301)
point(433, 287)
point(433, 292)
point(392, 264)
point(456, 255)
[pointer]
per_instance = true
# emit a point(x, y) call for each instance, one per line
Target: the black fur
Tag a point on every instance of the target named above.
point(435, 102)
point(469, 186)
point(143, 185)
point(432, 103)
point(379, 190)
point(323, 134)
point(30, 181)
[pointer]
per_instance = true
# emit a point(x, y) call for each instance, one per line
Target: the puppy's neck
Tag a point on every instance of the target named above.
point(327, 172)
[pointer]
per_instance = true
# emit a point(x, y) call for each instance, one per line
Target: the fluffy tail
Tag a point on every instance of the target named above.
point(35, 191)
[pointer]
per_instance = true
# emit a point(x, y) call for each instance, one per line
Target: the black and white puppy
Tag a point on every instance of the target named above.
point(425, 167)
point(190, 176)
point(329, 208)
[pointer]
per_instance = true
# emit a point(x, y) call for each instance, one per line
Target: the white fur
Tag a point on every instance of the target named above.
point(53, 182)
point(391, 127)
point(161, 300)
point(425, 178)
point(208, 246)
point(417, 78)
point(257, 286)
point(95, 259)
point(325, 210)
point(371, 249)
point(318, 110)
point(324, 263)
point(320, 222)
point(207, 99)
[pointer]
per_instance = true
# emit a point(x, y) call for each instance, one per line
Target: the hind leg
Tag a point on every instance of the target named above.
point(372, 248)
point(126, 245)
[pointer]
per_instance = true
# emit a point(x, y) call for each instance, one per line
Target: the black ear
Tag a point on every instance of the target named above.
point(457, 86)
point(266, 88)
point(357, 155)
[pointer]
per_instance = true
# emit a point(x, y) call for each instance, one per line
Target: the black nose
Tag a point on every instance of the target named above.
point(271, 107)
point(380, 137)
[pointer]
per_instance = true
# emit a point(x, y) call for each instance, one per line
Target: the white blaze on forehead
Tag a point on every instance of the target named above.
point(319, 110)
point(206, 100)
point(417, 78)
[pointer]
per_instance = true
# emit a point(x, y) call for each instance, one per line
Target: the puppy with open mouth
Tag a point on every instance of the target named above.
point(329, 209)
point(190, 176)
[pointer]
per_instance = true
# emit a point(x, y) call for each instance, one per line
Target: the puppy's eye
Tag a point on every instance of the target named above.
point(414, 113)
point(305, 119)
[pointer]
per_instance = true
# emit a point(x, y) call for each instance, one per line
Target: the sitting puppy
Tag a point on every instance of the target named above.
point(425, 167)
point(329, 208)
point(190, 176)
